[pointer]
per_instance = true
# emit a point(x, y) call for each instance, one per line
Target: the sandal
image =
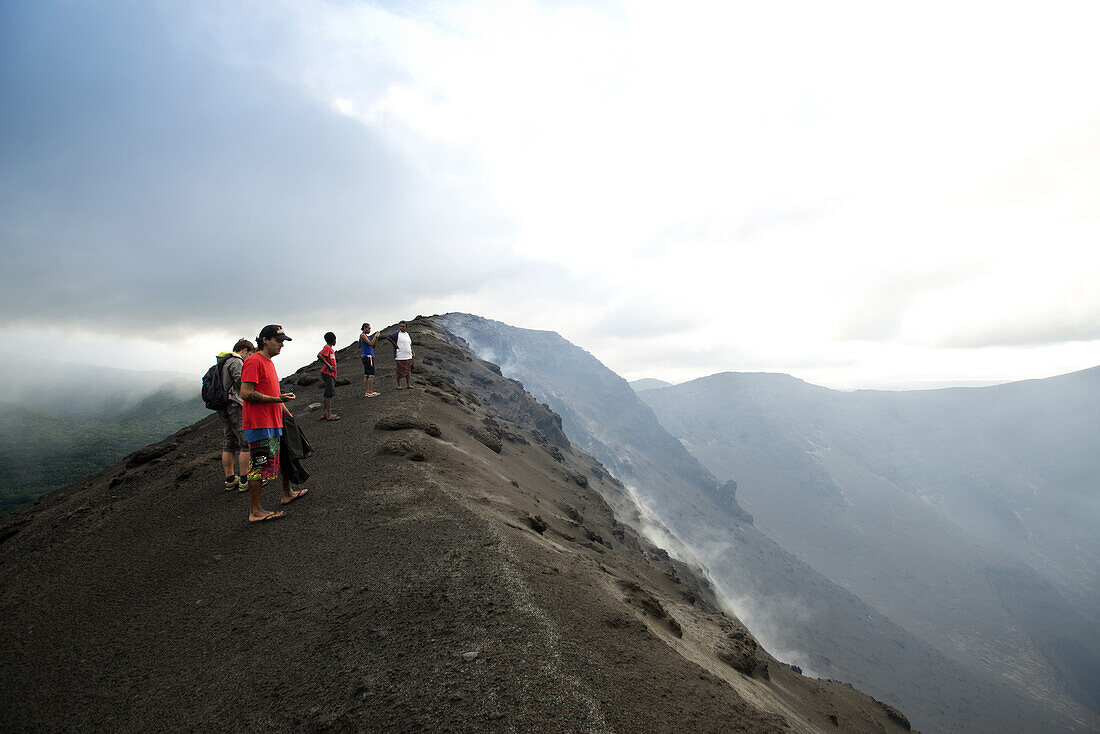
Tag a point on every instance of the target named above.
point(294, 496)
point(269, 516)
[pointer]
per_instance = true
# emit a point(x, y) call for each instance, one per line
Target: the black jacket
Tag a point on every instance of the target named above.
point(294, 448)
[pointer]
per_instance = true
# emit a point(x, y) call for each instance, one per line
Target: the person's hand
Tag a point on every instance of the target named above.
point(286, 396)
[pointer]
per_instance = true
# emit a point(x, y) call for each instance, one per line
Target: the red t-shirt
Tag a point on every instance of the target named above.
point(328, 361)
point(259, 369)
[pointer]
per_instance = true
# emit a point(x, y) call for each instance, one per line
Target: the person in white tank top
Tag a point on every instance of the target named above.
point(403, 357)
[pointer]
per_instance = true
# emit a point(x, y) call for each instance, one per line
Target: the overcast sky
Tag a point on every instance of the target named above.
point(859, 194)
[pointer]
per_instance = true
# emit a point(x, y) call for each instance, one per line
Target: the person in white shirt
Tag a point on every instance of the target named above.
point(403, 356)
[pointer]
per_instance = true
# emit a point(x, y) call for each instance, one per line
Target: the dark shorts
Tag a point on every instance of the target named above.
point(368, 366)
point(232, 429)
point(404, 367)
point(330, 385)
point(265, 459)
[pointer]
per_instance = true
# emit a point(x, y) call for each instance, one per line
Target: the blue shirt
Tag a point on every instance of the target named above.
point(252, 435)
point(368, 350)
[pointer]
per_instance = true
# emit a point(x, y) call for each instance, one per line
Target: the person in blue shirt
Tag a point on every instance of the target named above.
point(367, 342)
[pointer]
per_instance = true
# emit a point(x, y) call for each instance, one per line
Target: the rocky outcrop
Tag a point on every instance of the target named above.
point(738, 650)
point(726, 498)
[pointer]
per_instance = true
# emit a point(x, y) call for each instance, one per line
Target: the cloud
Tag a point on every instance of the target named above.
point(147, 182)
point(1052, 326)
point(760, 221)
point(642, 318)
point(878, 311)
point(603, 170)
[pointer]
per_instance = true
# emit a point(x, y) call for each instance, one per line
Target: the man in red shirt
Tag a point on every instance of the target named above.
point(264, 406)
point(328, 375)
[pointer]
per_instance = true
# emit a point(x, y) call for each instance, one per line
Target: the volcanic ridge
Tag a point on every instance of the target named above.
point(456, 566)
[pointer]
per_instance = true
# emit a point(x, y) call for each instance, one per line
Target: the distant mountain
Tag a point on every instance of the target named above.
point(970, 516)
point(648, 383)
point(454, 567)
point(801, 614)
point(57, 427)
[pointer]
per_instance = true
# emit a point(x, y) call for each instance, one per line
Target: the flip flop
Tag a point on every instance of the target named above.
point(333, 418)
point(269, 516)
point(294, 496)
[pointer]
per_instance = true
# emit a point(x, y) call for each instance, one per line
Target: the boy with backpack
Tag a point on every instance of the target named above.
point(221, 390)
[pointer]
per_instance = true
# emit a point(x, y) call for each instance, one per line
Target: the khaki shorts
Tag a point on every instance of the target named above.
point(233, 429)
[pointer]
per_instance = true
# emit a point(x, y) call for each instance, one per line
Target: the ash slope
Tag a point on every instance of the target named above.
point(798, 612)
point(454, 568)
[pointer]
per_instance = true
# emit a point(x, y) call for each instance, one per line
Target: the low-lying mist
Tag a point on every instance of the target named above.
point(62, 422)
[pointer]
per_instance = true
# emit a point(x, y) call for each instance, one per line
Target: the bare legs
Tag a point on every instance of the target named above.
point(256, 512)
point(227, 463)
point(290, 495)
point(242, 463)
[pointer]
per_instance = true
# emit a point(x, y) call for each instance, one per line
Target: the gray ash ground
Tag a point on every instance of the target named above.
point(455, 567)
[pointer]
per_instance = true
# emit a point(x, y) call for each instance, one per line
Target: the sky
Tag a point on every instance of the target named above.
point(861, 194)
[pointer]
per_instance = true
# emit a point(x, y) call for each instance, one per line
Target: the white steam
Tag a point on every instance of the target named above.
point(758, 615)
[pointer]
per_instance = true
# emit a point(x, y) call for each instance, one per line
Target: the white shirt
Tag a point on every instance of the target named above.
point(404, 346)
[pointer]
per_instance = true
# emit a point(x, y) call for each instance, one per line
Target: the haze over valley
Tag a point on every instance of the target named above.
point(762, 393)
point(61, 422)
point(951, 576)
point(967, 515)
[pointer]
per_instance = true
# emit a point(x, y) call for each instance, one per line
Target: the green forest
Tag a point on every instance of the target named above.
point(40, 452)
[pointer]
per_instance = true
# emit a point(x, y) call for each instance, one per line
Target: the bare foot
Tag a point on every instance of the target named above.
point(286, 500)
point(265, 516)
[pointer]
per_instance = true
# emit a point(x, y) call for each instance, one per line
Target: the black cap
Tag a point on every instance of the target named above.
point(272, 331)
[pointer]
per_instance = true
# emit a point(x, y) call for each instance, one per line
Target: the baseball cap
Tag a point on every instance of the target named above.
point(272, 331)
